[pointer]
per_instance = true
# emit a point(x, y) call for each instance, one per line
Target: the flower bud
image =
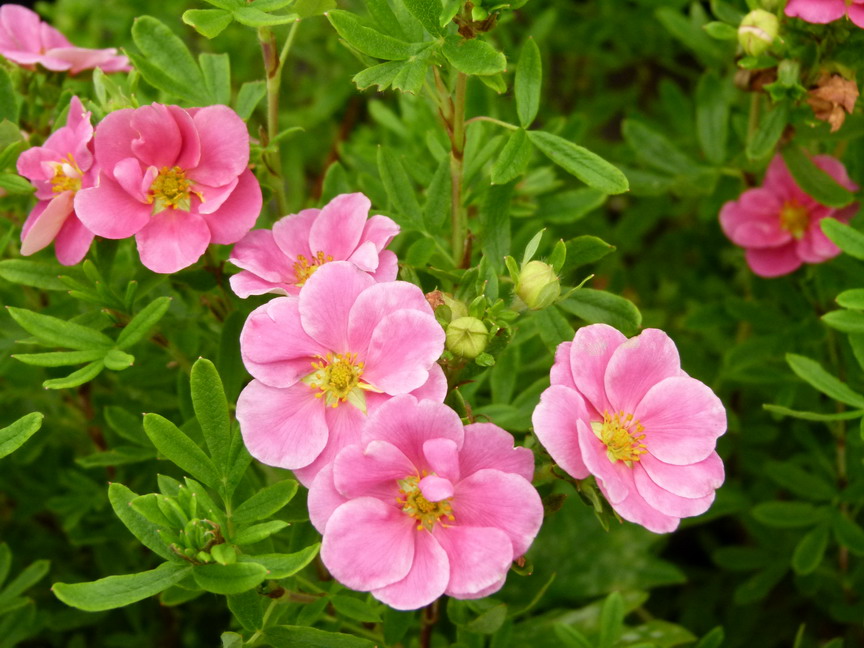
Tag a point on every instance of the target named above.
point(457, 307)
point(538, 285)
point(466, 337)
point(758, 31)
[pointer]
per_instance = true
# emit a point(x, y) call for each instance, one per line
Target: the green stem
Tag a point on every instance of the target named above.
point(753, 122)
point(457, 153)
point(273, 79)
point(492, 120)
point(258, 633)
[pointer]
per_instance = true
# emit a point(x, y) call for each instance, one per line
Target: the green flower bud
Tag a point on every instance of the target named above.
point(457, 307)
point(538, 285)
point(479, 13)
point(758, 31)
point(466, 337)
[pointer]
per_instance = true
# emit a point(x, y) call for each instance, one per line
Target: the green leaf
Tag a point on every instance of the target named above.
point(489, 621)
point(449, 11)
point(513, 159)
point(589, 167)
point(713, 639)
point(53, 331)
point(814, 181)
point(814, 416)
point(436, 212)
point(59, 358)
point(15, 435)
point(810, 550)
point(474, 57)
point(165, 61)
point(116, 456)
point(231, 640)
point(270, 5)
point(208, 22)
point(848, 533)
point(284, 565)
point(656, 150)
point(217, 75)
point(585, 249)
point(853, 298)
point(266, 502)
point(76, 378)
point(229, 579)
point(354, 608)
point(304, 637)
point(848, 321)
point(720, 31)
point(246, 608)
point(368, 40)
point(15, 184)
point(25, 580)
point(143, 529)
point(787, 515)
point(211, 410)
point(690, 35)
point(252, 17)
point(224, 554)
point(529, 79)
point(250, 95)
point(427, 12)
point(849, 240)
point(611, 620)
point(598, 306)
point(141, 324)
point(712, 117)
point(258, 532)
point(173, 443)
point(116, 360)
point(32, 273)
point(812, 372)
point(119, 591)
point(799, 481)
point(381, 75)
point(9, 99)
point(495, 218)
point(771, 127)
point(309, 8)
point(399, 188)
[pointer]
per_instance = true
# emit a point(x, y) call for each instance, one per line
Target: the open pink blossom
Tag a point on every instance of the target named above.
point(423, 506)
point(280, 260)
point(778, 224)
point(58, 169)
point(624, 411)
point(26, 40)
point(324, 360)
point(175, 179)
point(825, 11)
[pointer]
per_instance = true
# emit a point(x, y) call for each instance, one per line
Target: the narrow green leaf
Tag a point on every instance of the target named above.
point(304, 637)
point(848, 533)
point(284, 565)
point(427, 12)
point(474, 57)
point(117, 360)
point(250, 95)
point(141, 324)
point(126, 424)
point(76, 378)
point(771, 127)
point(787, 515)
point(368, 40)
point(853, 298)
point(25, 580)
point(229, 579)
point(585, 249)
point(712, 117)
point(814, 416)
point(495, 218)
point(812, 372)
point(598, 306)
point(9, 99)
point(589, 167)
point(354, 608)
point(173, 443)
point(143, 529)
point(713, 639)
point(252, 17)
point(119, 591)
point(850, 240)
point(217, 75)
point(529, 79)
point(59, 358)
point(208, 22)
point(258, 532)
point(32, 273)
point(266, 502)
point(15, 435)
point(211, 410)
point(513, 159)
point(15, 184)
point(57, 332)
point(690, 35)
point(655, 150)
point(801, 482)
point(399, 188)
point(436, 212)
point(117, 456)
point(813, 180)
point(5, 562)
point(611, 620)
point(810, 550)
point(720, 31)
point(570, 637)
point(848, 321)
point(309, 8)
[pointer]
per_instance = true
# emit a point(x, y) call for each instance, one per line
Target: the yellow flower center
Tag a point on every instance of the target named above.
point(67, 175)
point(414, 504)
point(304, 268)
point(622, 436)
point(337, 379)
point(171, 189)
point(794, 218)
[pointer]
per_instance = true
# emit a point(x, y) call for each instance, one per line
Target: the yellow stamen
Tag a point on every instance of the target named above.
point(67, 175)
point(304, 268)
point(337, 377)
point(622, 436)
point(171, 190)
point(794, 218)
point(414, 504)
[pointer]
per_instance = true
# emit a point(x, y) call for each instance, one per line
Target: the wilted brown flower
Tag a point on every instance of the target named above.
point(832, 99)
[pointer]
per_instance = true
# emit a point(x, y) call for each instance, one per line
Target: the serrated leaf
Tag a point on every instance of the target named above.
point(266, 502)
point(529, 79)
point(812, 372)
point(850, 240)
point(15, 435)
point(589, 167)
point(815, 182)
point(208, 22)
point(513, 159)
point(118, 591)
point(368, 40)
point(173, 443)
point(229, 579)
point(474, 57)
point(54, 331)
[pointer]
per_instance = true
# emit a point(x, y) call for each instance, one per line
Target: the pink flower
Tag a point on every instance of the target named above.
point(624, 411)
point(424, 507)
point(323, 360)
point(26, 40)
point(280, 261)
point(778, 224)
point(58, 169)
point(176, 179)
point(825, 11)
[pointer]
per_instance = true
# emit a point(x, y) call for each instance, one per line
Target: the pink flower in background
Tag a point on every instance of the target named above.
point(778, 224)
point(280, 260)
point(58, 169)
point(26, 40)
point(424, 507)
point(176, 179)
point(323, 360)
point(825, 11)
point(624, 411)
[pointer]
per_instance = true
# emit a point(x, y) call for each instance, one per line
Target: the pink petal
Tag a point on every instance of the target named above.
point(750, 229)
point(403, 347)
point(224, 145)
point(682, 419)
point(326, 301)
point(74, 137)
point(77, 59)
point(375, 303)
point(113, 139)
point(173, 239)
point(635, 509)
point(856, 14)
point(365, 257)
point(291, 234)
point(130, 176)
point(158, 139)
point(323, 498)
point(72, 242)
point(816, 11)
point(238, 213)
point(778, 180)
point(258, 253)
point(388, 266)
point(345, 423)
point(637, 365)
point(435, 488)
point(212, 198)
point(774, 262)
point(263, 345)
point(560, 373)
point(442, 458)
point(45, 227)
point(369, 544)
point(380, 230)
point(814, 246)
point(21, 27)
point(666, 502)
point(246, 283)
point(831, 165)
point(590, 352)
point(189, 154)
point(478, 556)
point(692, 480)
point(338, 228)
point(435, 387)
point(373, 470)
point(555, 425)
point(408, 423)
point(488, 446)
point(282, 427)
point(34, 164)
point(614, 479)
point(491, 498)
point(426, 581)
point(109, 211)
